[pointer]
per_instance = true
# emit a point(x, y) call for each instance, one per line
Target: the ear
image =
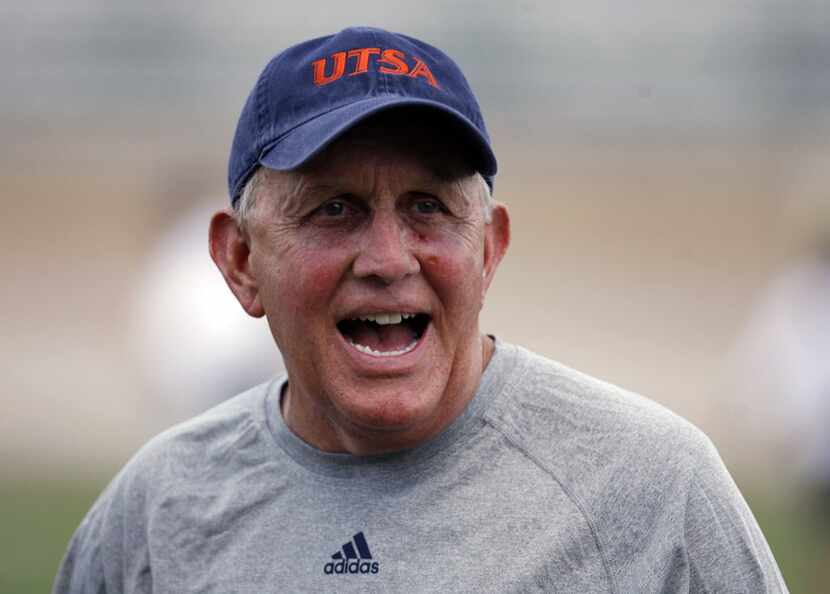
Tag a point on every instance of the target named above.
point(229, 248)
point(496, 241)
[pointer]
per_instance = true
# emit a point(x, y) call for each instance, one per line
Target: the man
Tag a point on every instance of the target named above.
point(404, 450)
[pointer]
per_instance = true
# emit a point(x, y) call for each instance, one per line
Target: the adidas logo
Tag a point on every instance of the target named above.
point(352, 558)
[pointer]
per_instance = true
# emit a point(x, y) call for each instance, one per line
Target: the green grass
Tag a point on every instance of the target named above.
point(799, 537)
point(39, 517)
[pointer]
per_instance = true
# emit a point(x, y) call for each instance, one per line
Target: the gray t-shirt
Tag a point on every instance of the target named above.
point(550, 481)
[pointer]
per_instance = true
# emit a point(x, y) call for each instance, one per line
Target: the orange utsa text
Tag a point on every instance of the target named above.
point(360, 60)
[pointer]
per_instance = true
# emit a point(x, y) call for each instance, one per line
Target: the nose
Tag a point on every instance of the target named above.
point(385, 250)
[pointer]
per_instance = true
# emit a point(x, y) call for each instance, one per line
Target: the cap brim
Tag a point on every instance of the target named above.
point(308, 139)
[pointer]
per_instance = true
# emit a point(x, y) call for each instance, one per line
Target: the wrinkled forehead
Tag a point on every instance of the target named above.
point(429, 141)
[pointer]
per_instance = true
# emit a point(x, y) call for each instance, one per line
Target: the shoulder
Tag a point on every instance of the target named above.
point(177, 466)
point(201, 451)
point(197, 445)
point(576, 422)
point(650, 484)
point(200, 446)
point(618, 455)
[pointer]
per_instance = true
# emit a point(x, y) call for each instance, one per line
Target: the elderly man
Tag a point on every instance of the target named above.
point(404, 450)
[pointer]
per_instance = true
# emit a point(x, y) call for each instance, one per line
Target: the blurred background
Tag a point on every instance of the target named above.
point(667, 167)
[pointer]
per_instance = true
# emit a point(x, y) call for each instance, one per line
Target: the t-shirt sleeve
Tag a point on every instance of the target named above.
point(726, 550)
point(108, 552)
point(82, 570)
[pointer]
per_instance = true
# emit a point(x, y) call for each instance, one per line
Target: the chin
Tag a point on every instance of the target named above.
point(389, 408)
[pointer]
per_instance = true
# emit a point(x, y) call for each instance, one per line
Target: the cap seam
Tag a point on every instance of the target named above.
point(382, 77)
point(260, 103)
point(259, 108)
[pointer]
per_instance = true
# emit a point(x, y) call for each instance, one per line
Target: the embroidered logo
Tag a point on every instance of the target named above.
point(387, 61)
point(352, 558)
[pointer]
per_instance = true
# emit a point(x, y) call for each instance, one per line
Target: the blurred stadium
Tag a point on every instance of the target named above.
point(667, 167)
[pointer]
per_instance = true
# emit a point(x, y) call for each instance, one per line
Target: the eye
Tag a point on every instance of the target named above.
point(333, 208)
point(427, 206)
point(338, 211)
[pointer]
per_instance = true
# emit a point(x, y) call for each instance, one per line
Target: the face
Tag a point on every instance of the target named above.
point(371, 265)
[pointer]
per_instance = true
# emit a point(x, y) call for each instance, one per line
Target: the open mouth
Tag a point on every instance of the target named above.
point(384, 334)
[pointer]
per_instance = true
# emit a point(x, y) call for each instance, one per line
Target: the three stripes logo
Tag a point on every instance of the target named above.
point(353, 557)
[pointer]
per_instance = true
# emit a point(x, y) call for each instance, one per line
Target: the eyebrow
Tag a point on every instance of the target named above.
point(307, 191)
point(299, 195)
point(317, 188)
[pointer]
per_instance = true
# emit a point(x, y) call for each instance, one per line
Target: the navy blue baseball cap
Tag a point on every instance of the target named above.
point(313, 92)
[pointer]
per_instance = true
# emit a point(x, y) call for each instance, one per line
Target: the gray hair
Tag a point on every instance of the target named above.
point(246, 203)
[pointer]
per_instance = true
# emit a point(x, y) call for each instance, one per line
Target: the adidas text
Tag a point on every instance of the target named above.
point(353, 566)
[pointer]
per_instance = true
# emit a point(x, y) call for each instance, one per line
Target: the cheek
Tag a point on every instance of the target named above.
point(297, 282)
point(298, 304)
point(310, 281)
point(453, 264)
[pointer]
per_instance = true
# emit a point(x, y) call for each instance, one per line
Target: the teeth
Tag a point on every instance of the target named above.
point(386, 318)
point(374, 353)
